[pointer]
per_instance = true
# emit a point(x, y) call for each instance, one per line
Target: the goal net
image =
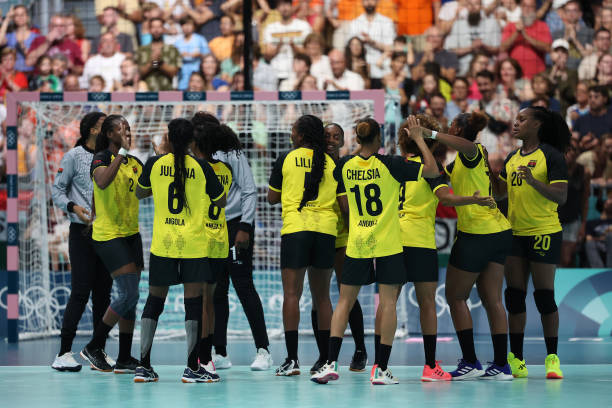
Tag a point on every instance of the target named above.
point(49, 128)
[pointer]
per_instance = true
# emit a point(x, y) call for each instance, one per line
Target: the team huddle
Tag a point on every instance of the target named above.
point(369, 217)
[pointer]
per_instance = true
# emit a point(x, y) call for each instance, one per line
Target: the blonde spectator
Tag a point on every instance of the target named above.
point(75, 31)
point(221, 46)
point(97, 84)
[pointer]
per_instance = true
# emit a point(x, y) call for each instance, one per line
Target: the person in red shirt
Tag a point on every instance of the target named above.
point(527, 41)
point(56, 42)
point(10, 80)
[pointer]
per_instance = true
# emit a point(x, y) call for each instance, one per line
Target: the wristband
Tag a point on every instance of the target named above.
point(70, 207)
point(123, 152)
point(434, 134)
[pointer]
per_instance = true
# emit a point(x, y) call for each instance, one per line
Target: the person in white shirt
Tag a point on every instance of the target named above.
point(301, 68)
point(377, 32)
point(282, 38)
point(342, 79)
point(314, 46)
point(106, 63)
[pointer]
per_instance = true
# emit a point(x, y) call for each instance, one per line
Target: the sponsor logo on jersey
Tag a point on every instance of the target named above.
point(532, 163)
point(135, 169)
point(60, 170)
point(97, 162)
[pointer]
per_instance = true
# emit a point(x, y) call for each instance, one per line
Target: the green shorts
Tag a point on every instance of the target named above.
point(389, 270)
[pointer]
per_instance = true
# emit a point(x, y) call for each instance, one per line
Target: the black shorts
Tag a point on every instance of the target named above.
point(538, 248)
point(118, 252)
point(307, 248)
point(389, 270)
point(218, 265)
point(173, 271)
point(472, 252)
point(421, 264)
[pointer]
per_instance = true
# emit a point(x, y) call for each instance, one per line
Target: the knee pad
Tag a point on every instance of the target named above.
point(127, 294)
point(545, 301)
point(193, 308)
point(515, 300)
point(153, 307)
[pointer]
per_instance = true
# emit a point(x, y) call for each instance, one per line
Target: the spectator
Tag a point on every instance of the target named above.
point(573, 214)
point(480, 62)
point(192, 47)
point(476, 33)
point(110, 21)
point(342, 79)
point(543, 88)
point(55, 43)
point(603, 76)
point(400, 44)
point(598, 120)
point(581, 107)
point(210, 70)
point(238, 81)
point(603, 168)
point(437, 106)
point(207, 15)
point(96, 84)
point(150, 12)
point(508, 12)
point(528, 40)
point(449, 13)
point(576, 33)
point(563, 80)
point(301, 68)
point(43, 75)
point(460, 101)
point(59, 66)
point(10, 79)
point(264, 76)
point(235, 63)
point(221, 46)
point(588, 65)
point(598, 243)
point(71, 84)
point(307, 83)
point(434, 39)
point(196, 83)
point(414, 17)
point(314, 45)
point(130, 79)
point(512, 85)
point(501, 111)
point(311, 11)
point(354, 55)
point(341, 14)
point(76, 32)
point(394, 80)
point(128, 13)
point(429, 87)
point(106, 63)
point(21, 38)
point(158, 63)
point(377, 32)
point(606, 19)
point(282, 37)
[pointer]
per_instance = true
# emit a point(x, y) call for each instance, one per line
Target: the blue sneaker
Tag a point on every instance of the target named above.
point(144, 374)
point(467, 371)
point(498, 373)
point(204, 374)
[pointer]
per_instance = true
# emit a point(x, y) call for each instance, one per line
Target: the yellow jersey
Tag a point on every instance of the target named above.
point(178, 226)
point(341, 228)
point(289, 175)
point(116, 206)
point(468, 176)
point(372, 188)
point(529, 212)
point(214, 218)
point(417, 210)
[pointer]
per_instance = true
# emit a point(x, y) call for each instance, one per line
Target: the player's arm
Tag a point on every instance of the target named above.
point(449, 199)
point(430, 168)
point(103, 170)
point(276, 181)
point(463, 146)
point(214, 188)
point(556, 188)
point(143, 187)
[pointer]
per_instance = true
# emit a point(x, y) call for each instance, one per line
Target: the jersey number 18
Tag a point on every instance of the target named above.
point(373, 204)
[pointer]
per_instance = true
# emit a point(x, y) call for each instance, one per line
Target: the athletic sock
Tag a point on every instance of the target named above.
point(500, 349)
point(376, 348)
point(221, 350)
point(385, 353)
point(315, 329)
point(516, 344)
point(205, 350)
point(291, 342)
point(334, 348)
point(356, 323)
point(429, 344)
point(125, 346)
point(551, 344)
point(193, 313)
point(99, 335)
point(148, 324)
point(324, 339)
point(466, 342)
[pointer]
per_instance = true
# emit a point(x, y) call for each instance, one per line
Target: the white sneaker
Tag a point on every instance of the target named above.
point(263, 360)
point(383, 377)
point(220, 362)
point(66, 362)
point(329, 372)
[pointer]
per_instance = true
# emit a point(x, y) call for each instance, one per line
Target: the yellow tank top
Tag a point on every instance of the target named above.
point(214, 218)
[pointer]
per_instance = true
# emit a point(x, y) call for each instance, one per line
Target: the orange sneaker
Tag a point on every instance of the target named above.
point(435, 374)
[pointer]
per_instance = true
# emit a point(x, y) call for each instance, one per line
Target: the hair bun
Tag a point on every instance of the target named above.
point(363, 130)
point(477, 121)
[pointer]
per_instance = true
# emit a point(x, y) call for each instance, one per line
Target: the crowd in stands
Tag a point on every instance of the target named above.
point(430, 56)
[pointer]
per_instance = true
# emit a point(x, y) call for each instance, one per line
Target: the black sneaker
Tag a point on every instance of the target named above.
point(359, 361)
point(126, 367)
point(317, 366)
point(288, 368)
point(97, 359)
point(144, 374)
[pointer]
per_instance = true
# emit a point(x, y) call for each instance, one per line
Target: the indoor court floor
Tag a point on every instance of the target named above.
point(26, 380)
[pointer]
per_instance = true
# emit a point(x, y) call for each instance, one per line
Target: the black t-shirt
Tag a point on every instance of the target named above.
point(598, 125)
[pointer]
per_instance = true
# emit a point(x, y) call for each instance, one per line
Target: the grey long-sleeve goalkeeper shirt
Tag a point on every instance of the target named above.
point(242, 196)
point(73, 185)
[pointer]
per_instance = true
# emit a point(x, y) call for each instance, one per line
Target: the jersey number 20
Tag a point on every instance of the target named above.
point(373, 204)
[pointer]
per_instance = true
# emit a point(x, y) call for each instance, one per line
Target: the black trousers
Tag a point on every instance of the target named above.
point(240, 269)
point(88, 275)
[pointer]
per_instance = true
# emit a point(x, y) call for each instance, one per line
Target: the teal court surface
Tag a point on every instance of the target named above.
point(26, 380)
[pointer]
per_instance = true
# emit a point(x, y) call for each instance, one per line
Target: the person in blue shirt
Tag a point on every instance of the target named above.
point(192, 47)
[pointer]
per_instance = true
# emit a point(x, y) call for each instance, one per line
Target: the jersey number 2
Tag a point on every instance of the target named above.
point(173, 198)
point(373, 204)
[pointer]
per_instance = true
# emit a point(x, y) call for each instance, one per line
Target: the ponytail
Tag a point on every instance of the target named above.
point(180, 135)
point(553, 128)
point(367, 129)
point(87, 123)
point(313, 136)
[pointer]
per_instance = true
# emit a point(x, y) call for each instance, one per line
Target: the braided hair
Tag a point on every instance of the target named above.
point(87, 123)
point(212, 137)
point(180, 135)
point(553, 128)
point(470, 124)
point(102, 141)
point(310, 128)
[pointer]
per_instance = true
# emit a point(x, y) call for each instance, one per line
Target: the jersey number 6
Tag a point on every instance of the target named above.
point(373, 204)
